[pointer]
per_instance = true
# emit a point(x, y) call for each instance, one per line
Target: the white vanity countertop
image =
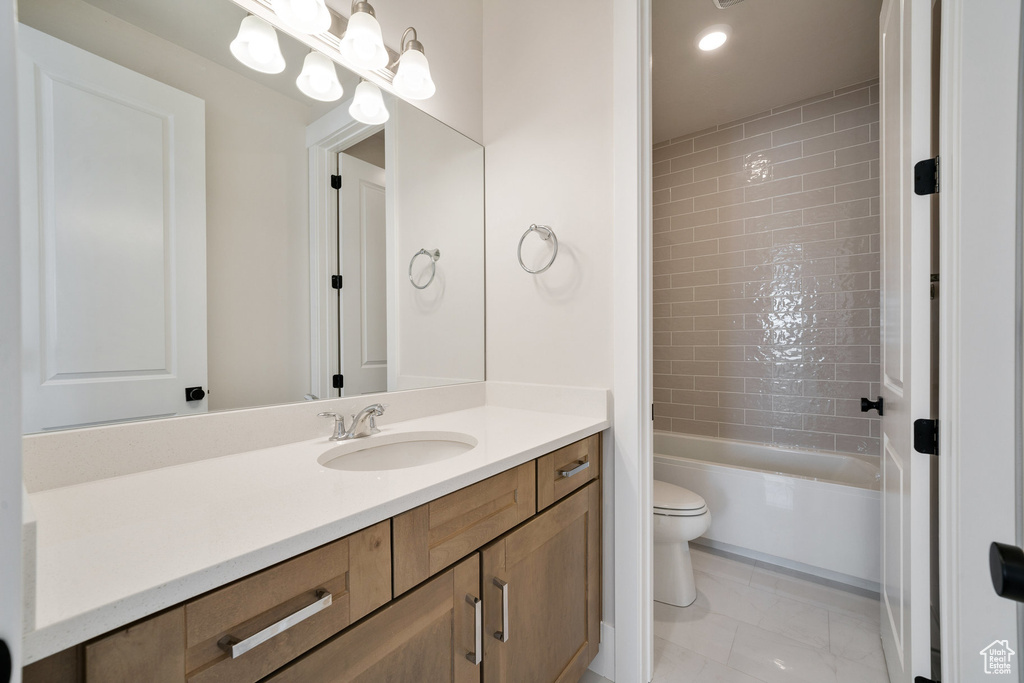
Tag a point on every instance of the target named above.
point(115, 550)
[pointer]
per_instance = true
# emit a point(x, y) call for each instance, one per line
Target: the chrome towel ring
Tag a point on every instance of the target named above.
point(434, 255)
point(545, 233)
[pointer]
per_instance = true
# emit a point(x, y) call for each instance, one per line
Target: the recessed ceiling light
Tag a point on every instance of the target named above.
point(713, 37)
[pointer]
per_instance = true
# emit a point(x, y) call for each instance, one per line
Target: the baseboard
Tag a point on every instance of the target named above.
point(827, 577)
point(604, 662)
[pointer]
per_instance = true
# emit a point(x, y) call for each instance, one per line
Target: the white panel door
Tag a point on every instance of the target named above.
point(113, 201)
point(905, 70)
point(364, 312)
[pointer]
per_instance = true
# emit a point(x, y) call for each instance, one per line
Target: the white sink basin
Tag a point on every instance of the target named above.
point(396, 451)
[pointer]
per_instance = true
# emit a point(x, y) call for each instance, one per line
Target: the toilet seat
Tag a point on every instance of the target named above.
point(675, 501)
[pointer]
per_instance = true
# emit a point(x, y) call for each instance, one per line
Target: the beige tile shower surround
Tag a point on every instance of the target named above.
point(766, 276)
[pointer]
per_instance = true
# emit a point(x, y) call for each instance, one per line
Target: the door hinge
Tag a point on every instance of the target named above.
point(652, 412)
point(926, 436)
point(934, 291)
point(922, 679)
point(338, 381)
point(336, 182)
point(926, 176)
point(335, 282)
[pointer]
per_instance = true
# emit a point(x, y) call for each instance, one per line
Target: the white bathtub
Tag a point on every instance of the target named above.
point(815, 512)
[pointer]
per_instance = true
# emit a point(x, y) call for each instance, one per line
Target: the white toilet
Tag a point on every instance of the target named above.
point(680, 516)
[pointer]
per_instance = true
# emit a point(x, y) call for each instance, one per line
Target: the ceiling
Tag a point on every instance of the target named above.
point(207, 27)
point(779, 51)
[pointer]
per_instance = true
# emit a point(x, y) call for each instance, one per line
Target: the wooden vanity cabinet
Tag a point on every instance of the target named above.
point(498, 582)
point(547, 575)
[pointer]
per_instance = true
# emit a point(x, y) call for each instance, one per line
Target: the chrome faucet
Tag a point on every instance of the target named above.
point(363, 423)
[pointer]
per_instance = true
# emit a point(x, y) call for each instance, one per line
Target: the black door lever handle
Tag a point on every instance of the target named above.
point(1006, 564)
point(5, 662)
point(866, 405)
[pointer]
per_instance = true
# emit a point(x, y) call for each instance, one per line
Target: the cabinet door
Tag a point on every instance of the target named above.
point(429, 634)
point(542, 594)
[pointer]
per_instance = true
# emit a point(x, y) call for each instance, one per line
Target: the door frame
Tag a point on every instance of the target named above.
point(974, 440)
point(332, 133)
point(632, 433)
point(11, 489)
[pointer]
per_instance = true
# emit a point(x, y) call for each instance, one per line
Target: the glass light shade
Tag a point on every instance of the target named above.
point(413, 80)
point(256, 46)
point(304, 16)
point(363, 44)
point(368, 105)
point(318, 79)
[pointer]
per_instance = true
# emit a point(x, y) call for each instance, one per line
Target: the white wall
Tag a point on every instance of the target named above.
point(10, 350)
point(436, 201)
point(257, 205)
point(548, 135)
point(450, 31)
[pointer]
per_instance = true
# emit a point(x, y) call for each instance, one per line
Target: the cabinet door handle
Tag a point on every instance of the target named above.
point(477, 655)
point(580, 466)
point(502, 635)
point(236, 648)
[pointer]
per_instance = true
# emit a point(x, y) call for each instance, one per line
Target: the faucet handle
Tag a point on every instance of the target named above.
point(339, 422)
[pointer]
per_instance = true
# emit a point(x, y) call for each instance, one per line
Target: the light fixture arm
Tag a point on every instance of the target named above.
point(363, 6)
point(410, 44)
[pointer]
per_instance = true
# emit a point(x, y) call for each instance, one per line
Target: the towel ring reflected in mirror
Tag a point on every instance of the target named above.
point(545, 233)
point(434, 255)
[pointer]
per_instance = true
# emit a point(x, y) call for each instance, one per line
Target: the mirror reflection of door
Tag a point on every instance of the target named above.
point(113, 240)
point(362, 301)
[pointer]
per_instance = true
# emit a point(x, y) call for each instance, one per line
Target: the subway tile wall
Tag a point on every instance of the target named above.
point(766, 276)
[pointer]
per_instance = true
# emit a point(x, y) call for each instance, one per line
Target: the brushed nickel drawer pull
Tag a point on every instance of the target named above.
point(580, 466)
point(477, 655)
point(236, 648)
point(502, 635)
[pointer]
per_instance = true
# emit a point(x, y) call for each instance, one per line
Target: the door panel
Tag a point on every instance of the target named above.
point(550, 567)
point(905, 130)
point(363, 314)
point(113, 240)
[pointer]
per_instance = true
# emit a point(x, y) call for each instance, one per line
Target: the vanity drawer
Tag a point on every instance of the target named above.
point(435, 535)
point(355, 571)
point(561, 472)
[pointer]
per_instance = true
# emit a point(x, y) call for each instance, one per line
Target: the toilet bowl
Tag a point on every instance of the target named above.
point(680, 516)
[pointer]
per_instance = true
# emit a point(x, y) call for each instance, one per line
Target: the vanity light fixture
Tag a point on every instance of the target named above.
point(318, 79)
point(363, 45)
point(368, 104)
point(256, 46)
point(304, 16)
point(713, 37)
point(412, 78)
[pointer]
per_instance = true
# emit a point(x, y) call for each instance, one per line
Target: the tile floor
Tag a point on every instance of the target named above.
point(752, 624)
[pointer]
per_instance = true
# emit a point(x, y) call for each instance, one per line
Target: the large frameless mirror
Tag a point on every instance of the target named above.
point(200, 236)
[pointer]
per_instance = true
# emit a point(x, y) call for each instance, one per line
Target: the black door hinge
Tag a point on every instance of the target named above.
point(652, 412)
point(338, 381)
point(926, 176)
point(922, 679)
point(336, 182)
point(335, 282)
point(926, 436)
